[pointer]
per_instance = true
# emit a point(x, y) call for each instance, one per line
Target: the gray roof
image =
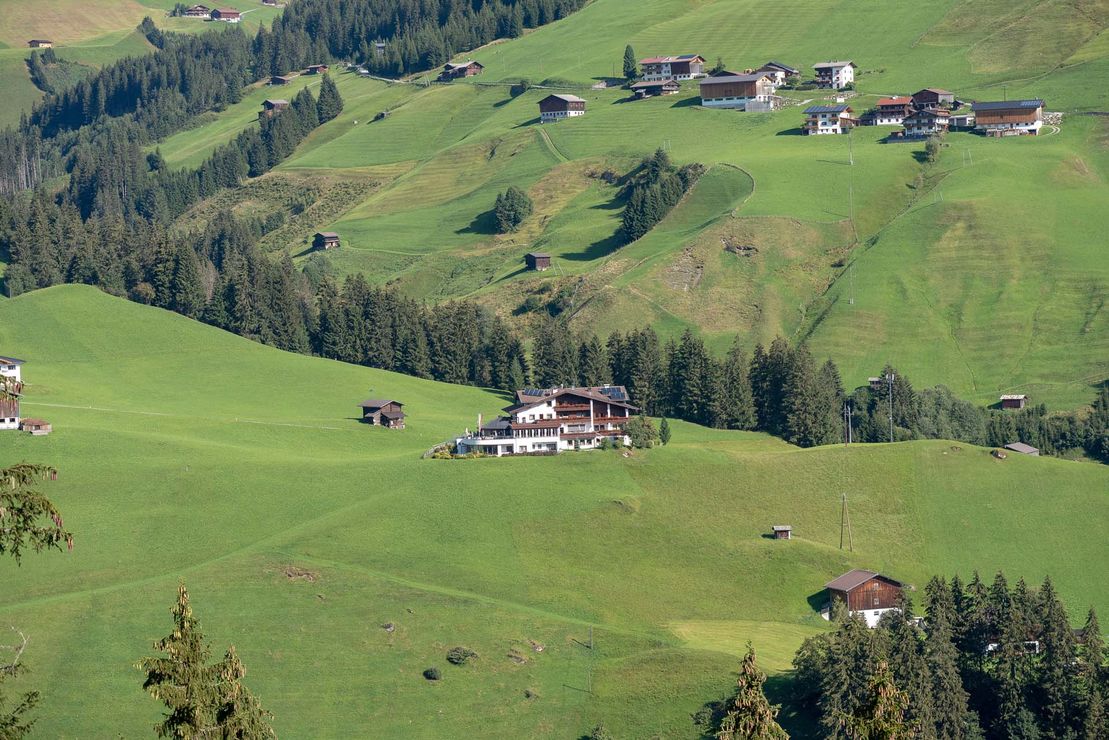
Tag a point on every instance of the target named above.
point(778, 65)
point(1031, 104)
point(654, 83)
point(1021, 447)
point(393, 414)
point(376, 403)
point(855, 578)
point(781, 528)
point(833, 65)
point(498, 423)
point(827, 109)
point(538, 255)
point(567, 98)
point(733, 78)
point(10, 360)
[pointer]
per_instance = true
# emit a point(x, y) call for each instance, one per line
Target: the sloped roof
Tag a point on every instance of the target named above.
point(936, 90)
point(855, 578)
point(376, 403)
point(538, 255)
point(526, 400)
point(567, 98)
point(654, 83)
point(678, 58)
point(10, 360)
point(724, 79)
point(899, 100)
point(463, 65)
point(834, 65)
point(827, 109)
point(778, 65)
point(327, 234)
point(1021, 447)
point(1031, 104)
point(1004, 396)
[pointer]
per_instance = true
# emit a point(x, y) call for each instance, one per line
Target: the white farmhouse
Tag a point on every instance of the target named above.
point(554, 420)
point(9, 403)
point(836, 75)
point(865, 593)
point(827, 119)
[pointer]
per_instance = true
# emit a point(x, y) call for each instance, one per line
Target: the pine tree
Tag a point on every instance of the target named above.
point(29, 519)
point(239, 715)
point(329, 103)
point(1095, 726)
point(593, 364)
point(750, 716)
point(182, 679)
point(881, 716)
point(1056, 683)
point(910, 669)
point(631, 65)
point(736, 407)
point(949, 700)
point(845, 683)
point(664, 431)
point(511, 209)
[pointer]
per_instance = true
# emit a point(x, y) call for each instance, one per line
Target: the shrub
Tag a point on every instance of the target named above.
point(459, 655)
point(432, 674)
point(642, 432)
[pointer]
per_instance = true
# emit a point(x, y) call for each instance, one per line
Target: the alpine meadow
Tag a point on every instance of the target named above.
point(544, 368)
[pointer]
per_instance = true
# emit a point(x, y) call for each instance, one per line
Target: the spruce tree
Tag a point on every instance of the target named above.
point(239, 715)
point(1056, 682)
point(329, 103)
point(910, 669)
point(182, 679)
point(737, 408)
point(28, 519)
point(664, 431)
point(1095, 725)
point(631, 64)
point(952, 720)
point(882, 715)
point(593, 365)
point(749, 715)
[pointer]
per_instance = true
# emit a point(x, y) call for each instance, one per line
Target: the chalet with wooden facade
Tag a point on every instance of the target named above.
point(382, 412)
point(827, 119)
point(890, 111)
point(836, 75)
point(556, 107)
point(316, 69)
point(681, 67)
point(278, 80)
point(650, 88)
point(779, 73)
point(454, 71)
point(325, 240)
point(1014, 401)
point(198, 11)
point(1009, 117)
point(10, 371)
point(272, 106)
point(40, 44)
point(537, 261)
point(866, 593)
point(227, 15)
point(924, 123)
point(736, 90)
point(554, 420)
point(933, 97)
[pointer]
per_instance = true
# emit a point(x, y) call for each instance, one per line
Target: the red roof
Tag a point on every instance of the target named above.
point(899, 100)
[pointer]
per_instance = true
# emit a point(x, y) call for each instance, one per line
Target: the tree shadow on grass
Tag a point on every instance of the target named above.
point(597, 249)
point(529, 122)
point(818, 600)
point(484, 223)
point(791, 132)
point(686, 103)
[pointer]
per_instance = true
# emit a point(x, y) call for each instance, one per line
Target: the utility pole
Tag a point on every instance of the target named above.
point(890, 378)
point(845, 523)
point(850, 148)
point(847, 423)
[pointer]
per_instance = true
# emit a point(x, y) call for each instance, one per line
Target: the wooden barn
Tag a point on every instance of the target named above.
point(649, 88)
point(736, 90)
point(272, 106)
point(866, 593)
point(469, 68)
point(1009, 117)
point(9, 413)
point(782, 531)
point(316, 69)
point(382, 412)
point(537, 261)
point(35, 427)
point(281, 79)
point(1014, 401)
point(557, 107)
point(198, 11)
point(40, 44)
point(227, 15)
point(325, 240)
point(932, 97)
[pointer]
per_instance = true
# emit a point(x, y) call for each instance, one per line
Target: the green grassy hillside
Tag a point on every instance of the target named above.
point(981, 271)
point(185, 452)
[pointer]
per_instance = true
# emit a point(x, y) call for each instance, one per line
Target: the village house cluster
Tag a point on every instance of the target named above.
point(11, 385)
point(553, 420)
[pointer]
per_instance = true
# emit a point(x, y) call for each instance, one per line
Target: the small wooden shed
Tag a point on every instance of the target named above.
point(325, 240)
point(782, 532)
point(537, 261)
point(37, 427)
point(383, 412)
point(1014, 401)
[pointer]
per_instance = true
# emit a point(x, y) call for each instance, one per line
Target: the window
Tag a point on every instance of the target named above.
point(875, 601)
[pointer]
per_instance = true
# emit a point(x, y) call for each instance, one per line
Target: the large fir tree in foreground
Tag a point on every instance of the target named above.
point(750, 716)
point(203, 700)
